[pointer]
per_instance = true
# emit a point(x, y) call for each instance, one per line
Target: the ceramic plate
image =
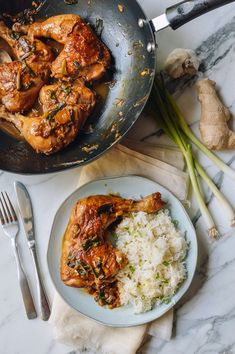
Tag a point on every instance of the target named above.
point(129, 187)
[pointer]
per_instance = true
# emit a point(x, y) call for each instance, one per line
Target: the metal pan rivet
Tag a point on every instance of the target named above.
point(151, 47)
point(141, 22)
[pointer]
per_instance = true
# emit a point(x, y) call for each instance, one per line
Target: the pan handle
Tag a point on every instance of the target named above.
point(183, 12)
point(186, 11)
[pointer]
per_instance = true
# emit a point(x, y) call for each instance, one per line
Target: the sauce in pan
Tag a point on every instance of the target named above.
point(10, 129)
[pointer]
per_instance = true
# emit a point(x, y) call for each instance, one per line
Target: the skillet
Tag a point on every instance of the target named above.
point(130, 37)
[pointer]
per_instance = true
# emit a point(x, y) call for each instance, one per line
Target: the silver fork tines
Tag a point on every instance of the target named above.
point(7, 214)
point(10, 227)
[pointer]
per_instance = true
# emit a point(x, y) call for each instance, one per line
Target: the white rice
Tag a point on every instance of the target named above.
point(155, 249)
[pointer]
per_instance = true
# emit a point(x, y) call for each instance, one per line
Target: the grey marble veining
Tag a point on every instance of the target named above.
point(205, 317)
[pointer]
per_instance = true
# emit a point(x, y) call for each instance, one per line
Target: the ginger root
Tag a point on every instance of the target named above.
point(215, 132)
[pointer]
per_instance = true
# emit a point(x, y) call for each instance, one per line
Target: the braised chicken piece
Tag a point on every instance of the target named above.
point(88, 260)
point(66, 107)
point(83, 55)
point(71, 93)
point(22, 79)
point(66, 102)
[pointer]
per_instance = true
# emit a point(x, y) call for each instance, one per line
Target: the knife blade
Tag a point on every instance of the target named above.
point(26, 213)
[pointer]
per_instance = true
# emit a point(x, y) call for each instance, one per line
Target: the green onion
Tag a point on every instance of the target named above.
point(18, 81)
point(132, 268)
point(15, 35)
point(52, 94)
point(176, 223)
point(64, 67)
point(188, 132)
point(169, 122)
point(224, 204)
point(98, 270)
point(27, 69)
point(176, 128)
point(77, 65)
point(99, 25)
point(66, 89)
point(51, 114)
point(70, 2)
point(89, 243)
point(166, 300)
point(212, 231)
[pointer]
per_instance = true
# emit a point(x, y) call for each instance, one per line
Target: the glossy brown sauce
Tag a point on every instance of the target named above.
point(101, 88)
point(10, 129)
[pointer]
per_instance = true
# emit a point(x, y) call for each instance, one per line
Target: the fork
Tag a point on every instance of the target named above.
point(10, 227)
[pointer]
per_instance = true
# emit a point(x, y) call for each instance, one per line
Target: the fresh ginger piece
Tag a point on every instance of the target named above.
point(214, 129)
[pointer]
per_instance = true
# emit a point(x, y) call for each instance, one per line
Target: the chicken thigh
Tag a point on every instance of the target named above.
point(66, 107)
point(88, 259)
point(83, 55)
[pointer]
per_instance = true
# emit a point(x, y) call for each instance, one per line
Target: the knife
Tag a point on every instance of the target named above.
point(26, 212)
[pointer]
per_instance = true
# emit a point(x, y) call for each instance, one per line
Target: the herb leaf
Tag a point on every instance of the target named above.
point(66, 89)
point(52, 94)
point(166, 300)
point(15, 35)
point(132, 268)
point(27, 69)
point(98, 270)
point(89, 243)
point(165, 263)
point(176, 223)
point(99, 26)
point(70, 2)
point(76, 64)
point(52, 114)
point(18, 81)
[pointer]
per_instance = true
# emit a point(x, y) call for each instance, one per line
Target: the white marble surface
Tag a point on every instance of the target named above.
point(205, 319)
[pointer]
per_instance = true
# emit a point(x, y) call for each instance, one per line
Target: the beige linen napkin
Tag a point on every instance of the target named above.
point(81, 333)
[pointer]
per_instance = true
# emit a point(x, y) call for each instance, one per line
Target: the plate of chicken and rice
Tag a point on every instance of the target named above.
point(122, 251)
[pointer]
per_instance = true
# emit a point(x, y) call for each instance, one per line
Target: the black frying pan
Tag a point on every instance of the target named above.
point(130, 36)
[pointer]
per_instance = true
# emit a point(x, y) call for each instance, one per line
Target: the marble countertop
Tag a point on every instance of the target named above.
point(205, 318)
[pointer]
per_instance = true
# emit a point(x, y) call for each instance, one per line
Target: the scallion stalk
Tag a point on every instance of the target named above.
point(211, 228)
point(188, 132)
point(177, 129)
point(224, 204)
point(172, 130)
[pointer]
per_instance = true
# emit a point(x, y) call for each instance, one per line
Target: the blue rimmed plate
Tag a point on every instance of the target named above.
point(129, 187)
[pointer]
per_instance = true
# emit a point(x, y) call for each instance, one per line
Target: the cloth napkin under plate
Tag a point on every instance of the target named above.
point(83, 334)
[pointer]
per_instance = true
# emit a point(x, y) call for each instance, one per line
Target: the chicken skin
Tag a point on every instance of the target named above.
point(88, 260)
point(83, 55)
point(58, 83)
point(66, 107)
point(22, 79)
